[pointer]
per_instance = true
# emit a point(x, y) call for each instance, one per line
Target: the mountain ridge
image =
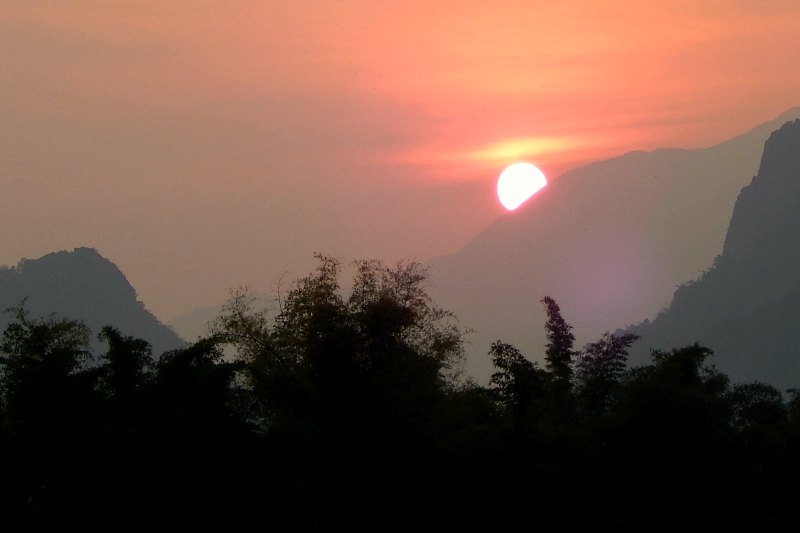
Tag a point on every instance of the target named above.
point(83, 285)
point(746, 306)
point(610, 241)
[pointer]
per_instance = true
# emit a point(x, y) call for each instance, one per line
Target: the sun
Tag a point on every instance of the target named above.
point(517, 183)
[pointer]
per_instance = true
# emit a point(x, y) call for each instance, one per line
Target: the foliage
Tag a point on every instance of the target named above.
point(41, 361)
point(559, 354)
point(325, 352)
point(346, 409)
point(516, 377)
point(126, 366)
point(601, 368)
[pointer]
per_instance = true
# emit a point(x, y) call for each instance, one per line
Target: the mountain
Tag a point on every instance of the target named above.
point(82, 284)
point(746, 307)
point(609, 241)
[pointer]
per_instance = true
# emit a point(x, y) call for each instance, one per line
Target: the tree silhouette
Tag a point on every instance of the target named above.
point(517, 380)
point(48, 403)
point(126, 368)
point(600, 369)
point(325, 352)
point(359, 377)
point(672, 436)
point(347, 409)
point(558, 352)
point(41, 361)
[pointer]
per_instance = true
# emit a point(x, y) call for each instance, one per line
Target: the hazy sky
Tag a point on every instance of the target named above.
point(201, 145)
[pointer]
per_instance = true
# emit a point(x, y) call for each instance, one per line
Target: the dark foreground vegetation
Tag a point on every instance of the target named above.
point(349, 412)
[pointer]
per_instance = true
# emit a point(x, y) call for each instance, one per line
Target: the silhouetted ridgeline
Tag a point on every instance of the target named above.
point(746, 307)
point(81, 284)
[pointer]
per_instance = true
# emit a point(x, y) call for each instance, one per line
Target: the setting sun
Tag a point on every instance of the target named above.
point(517, 183)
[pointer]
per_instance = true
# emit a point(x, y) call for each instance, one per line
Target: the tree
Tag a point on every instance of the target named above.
point(757, 407)
point(672, 435)
point(48, 400)
point(352, 385)
point(195, 385)
point(516, 381)
point(606, 357)
point(558, 351)
point(272, 378)
point(600, 369)
point(126, 367)
point(41, 362)
point(760, 420)
point(326, 355)
point(393, 311)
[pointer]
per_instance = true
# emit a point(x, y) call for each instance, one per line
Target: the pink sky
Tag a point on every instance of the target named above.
point(202, 145)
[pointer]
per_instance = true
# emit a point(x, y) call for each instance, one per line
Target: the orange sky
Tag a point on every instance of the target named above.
point(201, 145)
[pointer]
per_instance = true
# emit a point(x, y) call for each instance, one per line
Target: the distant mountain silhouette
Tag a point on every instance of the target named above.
point(610, 242)
point(82, 284)
point(746, 307)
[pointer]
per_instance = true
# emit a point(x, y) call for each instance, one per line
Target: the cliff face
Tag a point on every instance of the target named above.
point(764, 226)
point(82, 284)
point(746, 307)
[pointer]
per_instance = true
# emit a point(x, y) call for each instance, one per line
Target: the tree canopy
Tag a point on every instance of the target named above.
point(349, 409)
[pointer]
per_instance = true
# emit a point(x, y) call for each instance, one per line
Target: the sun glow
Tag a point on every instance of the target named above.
point(517, 183)
point(523, 147)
